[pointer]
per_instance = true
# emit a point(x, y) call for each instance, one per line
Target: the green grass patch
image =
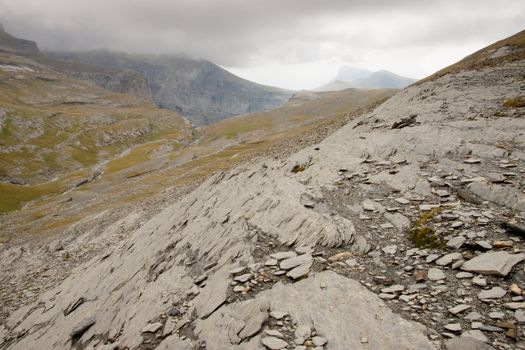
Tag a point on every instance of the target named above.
point(12, 197)
point(136, 156)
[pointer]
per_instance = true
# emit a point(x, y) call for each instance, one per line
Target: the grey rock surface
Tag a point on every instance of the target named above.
point(273, 343)
point(492, 293)
point(435, 274)
point(493, 263)
point(466, 343)
point(299, 260)
point(299, 271)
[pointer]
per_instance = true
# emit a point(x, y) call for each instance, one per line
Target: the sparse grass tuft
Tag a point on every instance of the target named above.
point(428, 216)
point(423, 236)
point(516, 102)
point(298, 168)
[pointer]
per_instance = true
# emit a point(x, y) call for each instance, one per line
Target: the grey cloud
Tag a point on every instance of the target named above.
point(236, 33)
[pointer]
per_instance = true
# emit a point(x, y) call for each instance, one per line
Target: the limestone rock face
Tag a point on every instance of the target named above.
point(329, 310)
point(125, 81)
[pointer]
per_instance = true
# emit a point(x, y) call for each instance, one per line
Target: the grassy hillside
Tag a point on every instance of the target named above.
point(303, 109)
point(151, 168)
point(54, 130)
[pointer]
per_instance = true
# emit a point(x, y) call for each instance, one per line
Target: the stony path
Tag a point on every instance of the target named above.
point(400, 230)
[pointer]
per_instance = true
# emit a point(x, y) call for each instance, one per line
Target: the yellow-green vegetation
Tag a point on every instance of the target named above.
point(424, 236)
point(137, 155)
point(13, 196)
point(298, 168)
point(52, 125)
point(516, 102)
point(135, 175)
point(304, 108)
point(487, 57)
point(428, 216)
point(61, 222)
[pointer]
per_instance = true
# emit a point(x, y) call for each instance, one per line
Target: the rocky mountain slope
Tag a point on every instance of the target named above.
point(400, 230)
point(199, 90)
point(350, 77)
point(125, 81)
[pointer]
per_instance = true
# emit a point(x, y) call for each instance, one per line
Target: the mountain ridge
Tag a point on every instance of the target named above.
point(351, 77)
point(12, 44)
point(197, 89)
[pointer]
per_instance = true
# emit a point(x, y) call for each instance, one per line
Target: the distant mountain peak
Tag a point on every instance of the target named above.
point(353, 77)
point(348, 73)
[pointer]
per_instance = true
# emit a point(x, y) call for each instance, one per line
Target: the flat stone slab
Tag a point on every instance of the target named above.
point(448, 259)
point(152, 327)
point(290, 263)
point(456, 242)
point(299, 271)
point(273, 343)
point(459, 308)
point(83, 326)
point(283, 255)
point(466, 343)
point(492, 293)
point(393, 289)
point(498, 263)
point(435, 274)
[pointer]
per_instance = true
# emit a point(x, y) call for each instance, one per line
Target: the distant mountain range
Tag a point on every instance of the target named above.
point(199, 90)
point(351, 77)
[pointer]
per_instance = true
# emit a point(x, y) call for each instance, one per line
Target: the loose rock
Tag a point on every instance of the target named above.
point(273, 343)
point(493, 263)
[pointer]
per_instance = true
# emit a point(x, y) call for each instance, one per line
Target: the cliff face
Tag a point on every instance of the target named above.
point(14, 45)
point(126, 81)
point(199, 90)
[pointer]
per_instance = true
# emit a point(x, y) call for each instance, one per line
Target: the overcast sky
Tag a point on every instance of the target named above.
point(297, 44)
